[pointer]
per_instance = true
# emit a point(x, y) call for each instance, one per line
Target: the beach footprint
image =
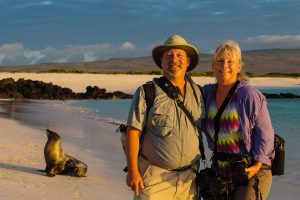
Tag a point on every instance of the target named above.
point(77, 195)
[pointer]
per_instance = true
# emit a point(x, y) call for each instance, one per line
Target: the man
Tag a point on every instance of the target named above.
point(165, 168)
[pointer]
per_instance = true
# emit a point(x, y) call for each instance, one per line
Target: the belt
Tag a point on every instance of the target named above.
point(180, 169)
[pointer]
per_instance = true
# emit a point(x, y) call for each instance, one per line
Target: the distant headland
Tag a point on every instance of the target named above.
point(257, 63)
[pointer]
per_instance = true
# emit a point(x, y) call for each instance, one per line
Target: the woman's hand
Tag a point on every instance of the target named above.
point(251, 171)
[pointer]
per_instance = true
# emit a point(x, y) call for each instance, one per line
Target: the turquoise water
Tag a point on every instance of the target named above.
point(111, 110)
point(280, 109)
point(294, 90)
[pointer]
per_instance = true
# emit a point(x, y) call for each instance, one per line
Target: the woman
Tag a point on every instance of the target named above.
point(246, 135)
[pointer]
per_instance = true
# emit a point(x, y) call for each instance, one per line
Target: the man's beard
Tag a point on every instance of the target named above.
point(175, 73)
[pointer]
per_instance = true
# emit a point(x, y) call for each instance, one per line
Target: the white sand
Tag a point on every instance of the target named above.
point(128, 83)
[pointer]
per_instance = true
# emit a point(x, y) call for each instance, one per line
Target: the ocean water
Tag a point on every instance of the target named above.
point(285, 116)
point(294, 90)
point(114, 111)
point(117, 110)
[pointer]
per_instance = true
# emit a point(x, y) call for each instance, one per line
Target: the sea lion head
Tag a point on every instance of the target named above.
point(52, 135)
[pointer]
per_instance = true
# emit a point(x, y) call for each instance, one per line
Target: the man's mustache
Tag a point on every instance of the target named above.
point(172, 64)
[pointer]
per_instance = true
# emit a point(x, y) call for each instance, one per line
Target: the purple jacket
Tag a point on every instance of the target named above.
point(258, 133)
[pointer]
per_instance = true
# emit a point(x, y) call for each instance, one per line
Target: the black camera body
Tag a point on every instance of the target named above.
point(122, 128)
point(238, 164)
point(213, 186)
point(239, 176)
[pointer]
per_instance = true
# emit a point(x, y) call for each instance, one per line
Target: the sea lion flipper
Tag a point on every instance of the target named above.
point(51, 172)
point(75, 167)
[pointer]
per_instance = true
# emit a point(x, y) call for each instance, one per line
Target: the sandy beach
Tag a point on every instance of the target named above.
point(23, 137)
point(128, 83)
point(22, 143)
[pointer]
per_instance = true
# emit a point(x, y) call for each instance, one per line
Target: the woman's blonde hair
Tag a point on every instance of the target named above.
point(230, 48)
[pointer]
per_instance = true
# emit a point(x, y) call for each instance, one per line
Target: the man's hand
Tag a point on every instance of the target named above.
point(251, 171)
point(134, 180)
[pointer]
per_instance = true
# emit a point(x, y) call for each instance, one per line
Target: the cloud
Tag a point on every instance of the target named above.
point(89, 56)
point(16, 53)
point(127, 46)
point(39, 3)
point(11, 48)
point(2, 56)
point(33, 56)
point(274, 41)
point(77, 53)
point(46, 2)
point(219, 13)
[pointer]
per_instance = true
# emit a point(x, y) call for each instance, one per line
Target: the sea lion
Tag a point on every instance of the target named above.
point(54, 155)
point(57, 162)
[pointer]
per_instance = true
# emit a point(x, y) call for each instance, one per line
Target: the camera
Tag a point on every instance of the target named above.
point(122, 128)
point(213, 186)
point(239, 176)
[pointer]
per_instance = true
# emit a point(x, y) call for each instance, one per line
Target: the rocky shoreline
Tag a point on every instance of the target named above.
point(281, 96)
point(28, 89)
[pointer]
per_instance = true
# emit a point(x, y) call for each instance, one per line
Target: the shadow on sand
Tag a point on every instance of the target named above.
point(31, 170)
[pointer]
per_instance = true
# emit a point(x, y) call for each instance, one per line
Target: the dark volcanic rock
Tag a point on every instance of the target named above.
point(100, 93)
point(118, 95)
point(94, 93)
point(281, 96)
point(28, 89)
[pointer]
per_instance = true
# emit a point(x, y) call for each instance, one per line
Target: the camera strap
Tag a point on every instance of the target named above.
point(201, 146)
point(173, 92)
point(218, 117)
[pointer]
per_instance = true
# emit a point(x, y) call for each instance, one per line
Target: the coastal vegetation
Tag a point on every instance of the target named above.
point(159, 72)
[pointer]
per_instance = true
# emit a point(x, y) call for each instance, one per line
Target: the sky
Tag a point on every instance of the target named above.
point(37, 31)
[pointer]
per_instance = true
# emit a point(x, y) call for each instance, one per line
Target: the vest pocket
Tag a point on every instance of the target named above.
point(161, 123)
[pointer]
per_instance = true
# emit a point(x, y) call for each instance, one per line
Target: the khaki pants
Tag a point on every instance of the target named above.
point(162, 184)
point(250, 192)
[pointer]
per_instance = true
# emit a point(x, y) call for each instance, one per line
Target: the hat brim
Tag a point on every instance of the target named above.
point(191, 51)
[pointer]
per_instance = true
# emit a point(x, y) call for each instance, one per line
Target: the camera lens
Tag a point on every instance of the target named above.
point(239, 176)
